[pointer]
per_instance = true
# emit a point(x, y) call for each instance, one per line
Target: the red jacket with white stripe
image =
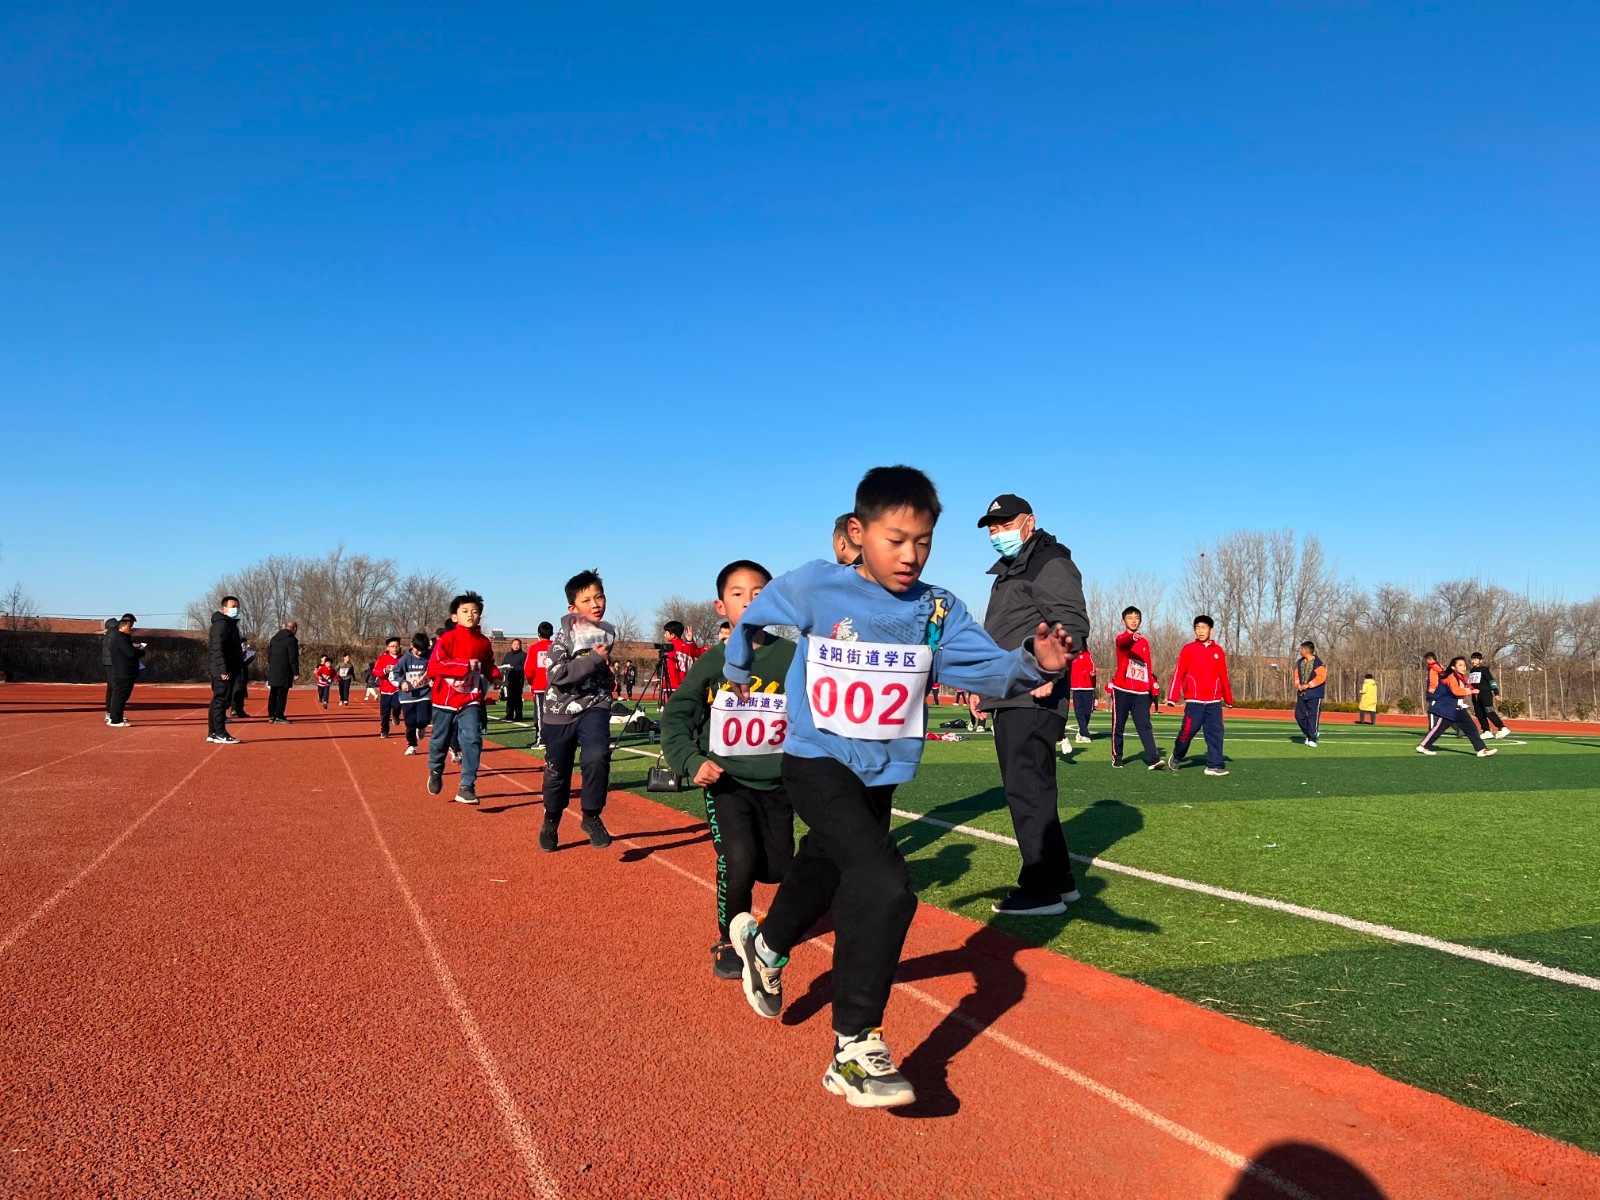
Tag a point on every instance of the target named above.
point(384, 670)
point(456, 682)
point(1134, 671)
point(1201, 675)
point(1083, 671)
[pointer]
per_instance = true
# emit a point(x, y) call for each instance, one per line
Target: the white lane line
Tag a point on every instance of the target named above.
point(1181, 1133)
point(1371, 928)
point(43, 910)
point(122, 737)
point(42, 729)
point(518, 1128)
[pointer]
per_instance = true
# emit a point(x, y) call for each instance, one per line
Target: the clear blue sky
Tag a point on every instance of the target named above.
point(514, 290)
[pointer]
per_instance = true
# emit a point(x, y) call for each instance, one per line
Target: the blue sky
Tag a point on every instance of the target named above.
point(514, 290)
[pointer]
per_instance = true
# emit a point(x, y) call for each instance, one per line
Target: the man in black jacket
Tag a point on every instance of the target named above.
point(1035, 580)
point(513, 673)
point(105, 661)
point(227, 660)
point(283, 668)
point(241, 682)
point(125, 656)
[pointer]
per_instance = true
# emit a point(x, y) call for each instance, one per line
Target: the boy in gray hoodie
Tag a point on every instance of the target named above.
point(576, 711)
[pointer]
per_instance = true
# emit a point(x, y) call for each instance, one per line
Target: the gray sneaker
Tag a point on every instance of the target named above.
point(763, 985)
point(1216, 770)
point(865, 1075)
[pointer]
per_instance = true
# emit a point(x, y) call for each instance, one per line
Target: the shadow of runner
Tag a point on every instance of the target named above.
point(1310, 1168)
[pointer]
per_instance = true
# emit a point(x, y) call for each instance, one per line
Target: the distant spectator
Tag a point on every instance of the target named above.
point(283, 668)
point(513, 677)
point(845, 551)
point(125, 666)
point(105, 661)
point(226, 661)
point(1367, 701)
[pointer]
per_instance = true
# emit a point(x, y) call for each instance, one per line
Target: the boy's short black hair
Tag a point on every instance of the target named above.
point(465, 598)
point(884, 489)
point(740, 564)
point(582, 581)
point(842, 524)
point(1130, 610)
point(1308, 645)
point(225, 600)
point(419, 642)
point(1205, 619)
point(673, 628)
point(1477, 654)
point(546, 629)
point(1460, 658)
point(726, 625)
point(393, 637)
point(441, 631)
point(1427, 654)
point(1368, 675)
point(127, 619)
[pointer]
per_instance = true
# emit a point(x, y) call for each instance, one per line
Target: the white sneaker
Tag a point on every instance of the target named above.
point(1082, 741)
point(865, 1075)
point(1216, 770)
point(1425, 750)
point(1504, 733)
point(1066, 746)
point(1311, 745)
point(411, 749)
point(119, 724)
point(1488, 750)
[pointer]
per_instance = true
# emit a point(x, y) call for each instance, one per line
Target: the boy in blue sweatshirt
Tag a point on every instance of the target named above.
point(872, 635)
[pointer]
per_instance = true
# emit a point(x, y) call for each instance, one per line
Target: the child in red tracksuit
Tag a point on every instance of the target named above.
point(679, 659)
point(1201, 678)
point(388, 685)
point(460, 667)
point(1134, 688)
point(1083, 692)
point(324, 677)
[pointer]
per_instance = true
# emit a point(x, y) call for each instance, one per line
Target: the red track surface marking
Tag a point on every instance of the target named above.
point(60, 894)
point(243, 998)
point(517, 1127)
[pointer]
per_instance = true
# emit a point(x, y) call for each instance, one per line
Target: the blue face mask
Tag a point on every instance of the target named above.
point(1007, 542)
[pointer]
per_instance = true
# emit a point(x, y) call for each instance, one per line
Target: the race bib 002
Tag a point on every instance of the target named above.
point(871, 691)
point(743, 728)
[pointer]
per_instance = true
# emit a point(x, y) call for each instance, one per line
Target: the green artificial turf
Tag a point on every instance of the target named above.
point(1499, 853)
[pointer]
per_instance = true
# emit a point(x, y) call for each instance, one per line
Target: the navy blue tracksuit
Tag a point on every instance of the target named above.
point(1206, 720)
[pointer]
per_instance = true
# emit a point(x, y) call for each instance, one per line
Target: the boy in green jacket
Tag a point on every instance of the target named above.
point(733, 749)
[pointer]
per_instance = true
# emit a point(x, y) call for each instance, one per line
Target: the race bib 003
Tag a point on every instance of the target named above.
point(743, 728)
point(871, 691)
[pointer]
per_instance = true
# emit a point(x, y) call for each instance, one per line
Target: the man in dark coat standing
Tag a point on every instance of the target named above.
point(105, 662)
point(1035, 580)
point(283, 668)
point(513, 672)
point(227, 660)
point(125, 656)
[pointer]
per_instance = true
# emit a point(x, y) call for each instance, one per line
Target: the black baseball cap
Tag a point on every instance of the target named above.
point(1002, 508)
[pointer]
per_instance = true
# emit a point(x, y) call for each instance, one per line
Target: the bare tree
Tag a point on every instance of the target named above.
point(630, 629)
point(17, 609)
point(698, 616)
point(418, 601)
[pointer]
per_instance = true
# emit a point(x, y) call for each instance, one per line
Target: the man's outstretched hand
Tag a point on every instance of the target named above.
point(1052, 647)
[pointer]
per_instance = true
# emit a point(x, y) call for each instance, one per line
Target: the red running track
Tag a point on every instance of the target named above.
point(282, 969)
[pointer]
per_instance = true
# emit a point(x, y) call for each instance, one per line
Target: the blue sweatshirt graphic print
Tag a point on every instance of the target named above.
point(823, 600)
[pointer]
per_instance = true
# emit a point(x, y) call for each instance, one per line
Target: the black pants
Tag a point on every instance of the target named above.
point(1137, 705)
point(1460, 722)
point(110, 686)
point(322, 694)
point(241, 693)
point(1083, 708)
point(591, 733)
point(1025, 740)
point(344, 689)
point(217, 716)
point(1485, 711)
point(1366, 716)
point(753, 832)
point(1206, 720)
point(1308, 715)
point(511, 689)
point(388, 711)
point(277, 700)
point(848, 862)
point(121, 689)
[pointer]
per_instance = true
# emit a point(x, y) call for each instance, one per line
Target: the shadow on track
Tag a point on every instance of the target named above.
point(1316, 1169)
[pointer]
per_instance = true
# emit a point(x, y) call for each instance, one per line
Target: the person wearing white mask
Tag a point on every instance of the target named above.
point(227, 660)
point(1035, 580)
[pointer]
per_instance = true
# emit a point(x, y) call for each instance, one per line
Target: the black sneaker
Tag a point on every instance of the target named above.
point(466, 796)
point(864, 1074)
point(435, 782)
point(599, 835)
point(548, 832)
point(1116, 762)
point(763, 985)
point(1172, 764)
point(725, 963)
point(1018, 904)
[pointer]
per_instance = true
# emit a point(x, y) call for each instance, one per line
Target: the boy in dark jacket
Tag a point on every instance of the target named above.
point(577, 711)
point(1481, 677)
point(734, 750)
